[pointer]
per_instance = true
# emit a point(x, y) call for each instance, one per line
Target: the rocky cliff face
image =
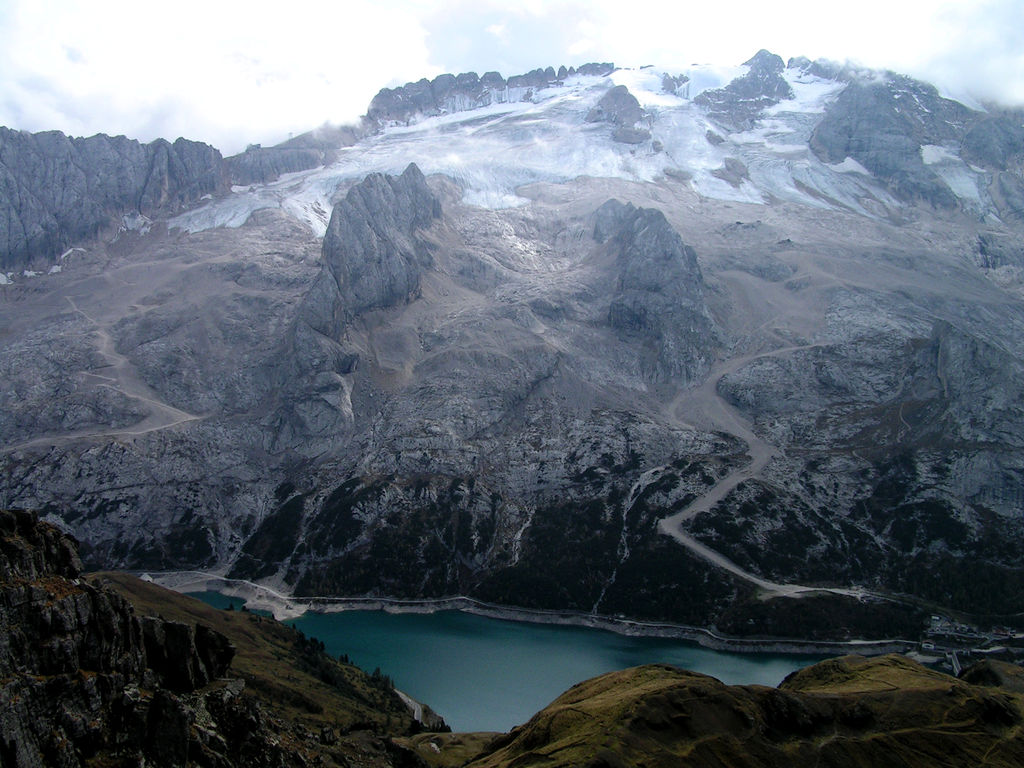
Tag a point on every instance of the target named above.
point(659, 294)
point(370, 250)
point(883, 127)
point(449, 93)
point(87, 681)
point(373, 258)
point(739, 104)
point(74, 659)
point(59, 190)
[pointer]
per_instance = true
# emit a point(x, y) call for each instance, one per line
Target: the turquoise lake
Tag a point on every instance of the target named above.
point(485, 674)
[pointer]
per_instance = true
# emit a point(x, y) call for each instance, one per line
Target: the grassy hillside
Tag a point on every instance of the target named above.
point(843, 712)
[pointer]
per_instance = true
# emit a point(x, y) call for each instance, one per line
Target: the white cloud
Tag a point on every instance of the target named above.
point(228, 73)
point(237, 72)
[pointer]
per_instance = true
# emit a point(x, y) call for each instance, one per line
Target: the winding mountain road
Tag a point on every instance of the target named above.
point(710, 410)
point(119, 375)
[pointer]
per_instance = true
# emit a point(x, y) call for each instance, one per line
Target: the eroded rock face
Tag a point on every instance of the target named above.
point(74, 659)
point(449, 93)
point(59, 190)
point(739, 104)
point(659, 293)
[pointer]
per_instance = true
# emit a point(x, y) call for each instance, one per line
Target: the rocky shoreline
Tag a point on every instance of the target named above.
point(284, 606)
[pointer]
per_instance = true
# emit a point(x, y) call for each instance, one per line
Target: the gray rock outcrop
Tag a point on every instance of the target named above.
point(372, 258)
point(260, 165)
point(659, 293)
point(740, 104)
point(449, 93)
point(56, 190)
point(620, 108)
point(882, 125)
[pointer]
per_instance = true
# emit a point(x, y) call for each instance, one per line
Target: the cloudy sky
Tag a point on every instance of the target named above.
point(233, 73)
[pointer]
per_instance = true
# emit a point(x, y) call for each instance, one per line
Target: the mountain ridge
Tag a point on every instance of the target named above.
point(504, 373)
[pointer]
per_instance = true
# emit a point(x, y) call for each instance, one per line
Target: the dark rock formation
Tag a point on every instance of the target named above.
point(457, 93)
point(74, 659)
point(620, 108)
point(995, 142)
point(85, 682)
point(536, 78)
point(738, 105)
point(371, 254)
point(56, 190)
point(596, 69)
point(184, 657)
point(882, 125)
point(659, 295)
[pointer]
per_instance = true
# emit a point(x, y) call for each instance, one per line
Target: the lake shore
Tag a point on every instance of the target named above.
point(284, 607)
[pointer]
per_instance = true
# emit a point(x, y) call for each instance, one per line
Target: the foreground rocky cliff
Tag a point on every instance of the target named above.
point(86, 680)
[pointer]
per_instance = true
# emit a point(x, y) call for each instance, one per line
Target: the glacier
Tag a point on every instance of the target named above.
point(492, 151)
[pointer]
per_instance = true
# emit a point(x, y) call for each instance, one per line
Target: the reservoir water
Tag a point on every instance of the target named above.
point(485, 674)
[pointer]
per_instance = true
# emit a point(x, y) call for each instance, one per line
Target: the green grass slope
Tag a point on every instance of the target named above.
point(845, 712)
